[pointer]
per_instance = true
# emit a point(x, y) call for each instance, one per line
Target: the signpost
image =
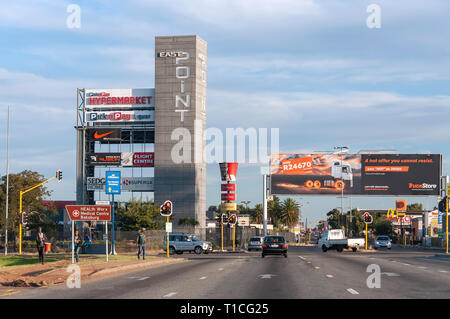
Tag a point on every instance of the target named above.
point(88, 213)
point(368, 219)
point(112, 188)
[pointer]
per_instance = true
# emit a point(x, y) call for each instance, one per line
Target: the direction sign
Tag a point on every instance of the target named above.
point(113, 182)
point(89, 212)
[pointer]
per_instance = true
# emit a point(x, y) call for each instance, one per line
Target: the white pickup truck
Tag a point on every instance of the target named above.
point(335, 239)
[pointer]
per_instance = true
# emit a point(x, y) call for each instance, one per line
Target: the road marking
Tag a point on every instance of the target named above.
point(9, 293)
point(443, 271)
point(352, 291)
point(266, 276)
point(170, 295)
point(406, 264)
point(302, 258)
point(317, 267)
point(220, 269)
point(201, 278)
point(143, 278)
point(330, 276)
point(308, 262)
point(390, 274)
point(422, 267)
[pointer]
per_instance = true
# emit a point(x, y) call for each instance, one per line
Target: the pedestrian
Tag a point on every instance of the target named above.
point(40, 241)
point(140, 242)
point(78, 244)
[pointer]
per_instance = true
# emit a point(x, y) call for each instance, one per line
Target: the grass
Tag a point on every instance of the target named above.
point(26, 260)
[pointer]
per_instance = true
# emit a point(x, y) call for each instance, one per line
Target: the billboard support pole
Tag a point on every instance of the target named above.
point(73, 239)
point(265, 204)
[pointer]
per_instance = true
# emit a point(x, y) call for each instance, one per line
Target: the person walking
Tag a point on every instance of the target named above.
point(40, 242)
point(140, 242)
point(78, 244)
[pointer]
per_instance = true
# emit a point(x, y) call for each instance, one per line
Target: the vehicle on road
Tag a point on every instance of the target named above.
point(274, 245)
point(335, 239)
point(382, 241)
point(180, 242)
point(341, 176)
point(255, 243)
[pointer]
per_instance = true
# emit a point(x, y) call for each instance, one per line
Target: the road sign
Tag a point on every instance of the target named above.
point(243, 221)
point(168, 227)
point(89, 212)
point(102, 202)
point(113, 182)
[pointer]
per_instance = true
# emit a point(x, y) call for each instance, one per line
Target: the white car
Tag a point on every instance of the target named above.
point(382, 241)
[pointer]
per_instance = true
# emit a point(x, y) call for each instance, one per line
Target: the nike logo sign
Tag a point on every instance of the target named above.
point(97, 136)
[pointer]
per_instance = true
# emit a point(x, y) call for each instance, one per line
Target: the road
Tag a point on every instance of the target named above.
point(306, 273)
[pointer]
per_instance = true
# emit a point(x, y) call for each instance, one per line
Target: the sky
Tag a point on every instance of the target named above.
point(313, 69)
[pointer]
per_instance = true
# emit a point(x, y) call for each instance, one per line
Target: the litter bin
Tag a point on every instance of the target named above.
point(48, 247)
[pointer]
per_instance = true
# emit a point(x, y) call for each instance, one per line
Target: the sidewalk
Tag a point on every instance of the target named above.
point(25, 271)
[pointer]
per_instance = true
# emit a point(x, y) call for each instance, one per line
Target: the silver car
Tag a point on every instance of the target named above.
point(179, 243)
point(382, 241)
point(255, 243)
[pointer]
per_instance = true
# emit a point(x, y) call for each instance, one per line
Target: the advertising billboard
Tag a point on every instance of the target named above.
point(120, 116)
point(120, 98)
point(128, 184)
point(105, 159)
point(105, 135)
point(356, 174)
point(138, 159)
point(228, 171)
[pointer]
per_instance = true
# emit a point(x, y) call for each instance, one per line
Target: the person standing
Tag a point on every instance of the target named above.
point(140, 242)
point(40, 242)
point(78, 244)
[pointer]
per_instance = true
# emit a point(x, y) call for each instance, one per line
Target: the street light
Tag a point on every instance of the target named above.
point(341, 150)
point(246, 202)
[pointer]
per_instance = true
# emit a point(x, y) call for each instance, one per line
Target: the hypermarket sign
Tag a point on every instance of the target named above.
point(125, 98)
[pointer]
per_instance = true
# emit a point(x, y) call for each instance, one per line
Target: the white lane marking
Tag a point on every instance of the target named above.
point(308, 262)
point(390, 274)
point(422, 267)
point(266, 276)
point(143, 278)
point(443, 271)
point(169, 295)
point(302, 258)
point(352, 291)
point(317, 267)
point(220, 269)
point(201, 278)
point(406, 264)
point(330, 276)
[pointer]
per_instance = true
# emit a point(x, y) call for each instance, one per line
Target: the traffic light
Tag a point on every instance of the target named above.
point(224, 218)
point(367, 218)
point(233, 219)
point(59, 175)
point(24, 219)
point(442, 204)
point(166, 208)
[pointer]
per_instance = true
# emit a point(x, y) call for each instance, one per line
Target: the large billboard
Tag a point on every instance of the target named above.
point(120, 98)
point(356, 174)
point(128, 184)
point(138, 159)
point(120, 116)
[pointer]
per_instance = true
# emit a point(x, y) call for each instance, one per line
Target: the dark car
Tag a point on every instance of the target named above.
point(274, 245)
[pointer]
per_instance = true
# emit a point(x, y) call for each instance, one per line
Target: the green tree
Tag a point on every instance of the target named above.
point(333, 218)
point(290, 212)
point(257, 214)
point(384, 227)
point(136, 214)
point(188, 221)
point(414, 207)
point(274, 210)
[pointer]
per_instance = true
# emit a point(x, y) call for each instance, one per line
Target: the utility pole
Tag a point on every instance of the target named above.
point(265, 204)
point(7, 187)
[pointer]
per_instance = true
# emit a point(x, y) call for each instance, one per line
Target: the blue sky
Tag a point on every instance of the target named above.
point(311, 68)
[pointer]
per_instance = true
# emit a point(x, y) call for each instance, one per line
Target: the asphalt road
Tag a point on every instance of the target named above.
point(306, 273)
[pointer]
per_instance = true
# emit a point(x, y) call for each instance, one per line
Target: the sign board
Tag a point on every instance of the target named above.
point(105, 135)
point(89, 212)
point(356, 174)
point(105, 159)
point(138, 159)
point(229, 206)
point(168, 227)
point(102, 202)
point(243, 221)
point(228, 171)
point(120, 116)
point(128, 184)
point(113, 182)
point(120, 98)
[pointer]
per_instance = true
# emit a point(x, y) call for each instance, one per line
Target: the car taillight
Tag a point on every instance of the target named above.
point(284, 246)
point(264, 246)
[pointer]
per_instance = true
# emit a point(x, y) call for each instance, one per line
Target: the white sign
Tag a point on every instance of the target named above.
point(120, 116)
point(130, 184)
point(243, 221)
point(102, 202)
point(120, 98)
point(168, 227)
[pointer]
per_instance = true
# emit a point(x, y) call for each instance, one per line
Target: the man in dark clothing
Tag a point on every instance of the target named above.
point(78, 244)
point(140, 242)
point(40, 241)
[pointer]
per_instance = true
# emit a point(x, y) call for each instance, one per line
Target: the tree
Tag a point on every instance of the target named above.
point(290, 212)
point(333, 218)
point(384, 227)
point(414, 207)
point(188, 221)
point(136, 214)
point(274, 210)
point(257, 214)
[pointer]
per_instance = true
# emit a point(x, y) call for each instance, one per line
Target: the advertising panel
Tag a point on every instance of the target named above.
point(105, 135)
point(228, 171)
point(120, 116)
point(366, 174)
point(138, 159)
point(128, 184)
point(123, 98)
point(105, 159)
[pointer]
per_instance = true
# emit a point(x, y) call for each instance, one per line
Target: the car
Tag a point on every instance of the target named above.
point(382, 241)
point(255, 243)
point(180, 242)
point(274, 245)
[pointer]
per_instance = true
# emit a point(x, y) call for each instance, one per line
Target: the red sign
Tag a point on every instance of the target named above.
point(143, 159)
point(89, 212)
point(297, 165)
point(228, 171)
point(228, 196)
point(228, 187)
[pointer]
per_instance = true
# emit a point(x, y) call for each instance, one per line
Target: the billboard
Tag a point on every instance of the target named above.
point(120, 116)
point(120, 98)
point(138, 159)
point(228, 171)
point(128, 184)
point(356, 174)
point(105, 135)
point(105, 159)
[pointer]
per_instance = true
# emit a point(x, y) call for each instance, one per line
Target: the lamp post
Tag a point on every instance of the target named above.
point(341, 148)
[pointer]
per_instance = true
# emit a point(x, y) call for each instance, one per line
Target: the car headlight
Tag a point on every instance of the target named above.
point(377, 243)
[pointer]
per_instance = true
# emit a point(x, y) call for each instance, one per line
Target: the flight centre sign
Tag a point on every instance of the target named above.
point(356, 174)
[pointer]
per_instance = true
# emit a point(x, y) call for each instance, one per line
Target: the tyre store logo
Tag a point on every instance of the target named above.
point(424, 186)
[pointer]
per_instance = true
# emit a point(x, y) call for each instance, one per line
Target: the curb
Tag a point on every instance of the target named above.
point(136, 266)
point(442, 256)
